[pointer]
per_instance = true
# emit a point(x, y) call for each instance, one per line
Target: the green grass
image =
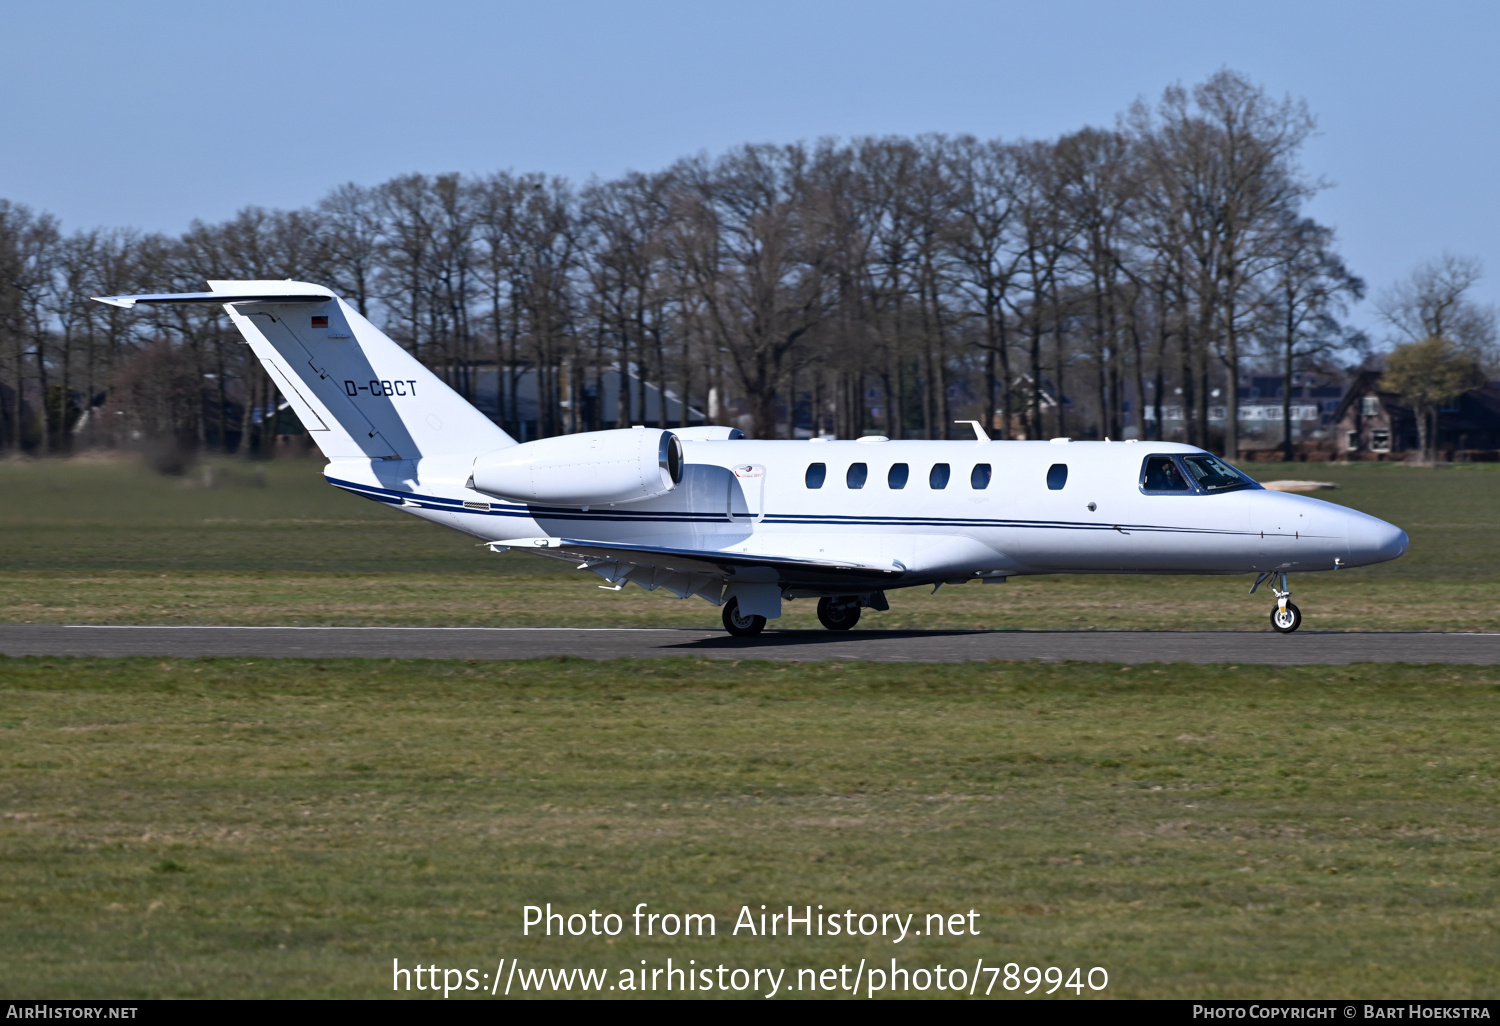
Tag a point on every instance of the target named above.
point(273, 544)
point(267, 827)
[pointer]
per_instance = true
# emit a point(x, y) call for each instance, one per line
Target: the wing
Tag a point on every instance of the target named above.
point(703, 572)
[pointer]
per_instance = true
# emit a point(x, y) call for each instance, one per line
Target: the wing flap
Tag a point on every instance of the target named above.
point(728, 564)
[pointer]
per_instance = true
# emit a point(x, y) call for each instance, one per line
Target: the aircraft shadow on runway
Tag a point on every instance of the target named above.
point(796, 638)
point(793, 639)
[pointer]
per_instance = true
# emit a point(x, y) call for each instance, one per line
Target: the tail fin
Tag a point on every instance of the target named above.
point(360, 395)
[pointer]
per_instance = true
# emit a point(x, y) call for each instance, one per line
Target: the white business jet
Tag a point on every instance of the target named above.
point(749, 524)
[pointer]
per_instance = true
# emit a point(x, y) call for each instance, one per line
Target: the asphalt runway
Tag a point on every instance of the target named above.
point(1234, 647)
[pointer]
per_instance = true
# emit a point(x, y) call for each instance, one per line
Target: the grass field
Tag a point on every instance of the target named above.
point(263, 827)
point(273, 544)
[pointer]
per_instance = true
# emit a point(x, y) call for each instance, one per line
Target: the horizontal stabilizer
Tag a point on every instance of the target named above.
point(128, 302)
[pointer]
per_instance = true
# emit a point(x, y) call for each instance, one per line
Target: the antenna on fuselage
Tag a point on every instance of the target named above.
point(978, 429)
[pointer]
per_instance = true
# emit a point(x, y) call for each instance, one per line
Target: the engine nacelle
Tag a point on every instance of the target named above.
point(595, 468)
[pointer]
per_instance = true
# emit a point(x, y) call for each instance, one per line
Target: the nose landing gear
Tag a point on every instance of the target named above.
point(1286, 617)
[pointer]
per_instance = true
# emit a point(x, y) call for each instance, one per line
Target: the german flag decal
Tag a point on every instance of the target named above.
point(320, 322)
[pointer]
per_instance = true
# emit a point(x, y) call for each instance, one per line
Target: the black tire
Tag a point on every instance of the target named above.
point(838, 614)
point(741, 626)
point(1289, 623)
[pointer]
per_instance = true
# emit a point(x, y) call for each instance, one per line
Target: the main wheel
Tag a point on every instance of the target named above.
point(838, 614)
point(1286, 620)
point(738, 624)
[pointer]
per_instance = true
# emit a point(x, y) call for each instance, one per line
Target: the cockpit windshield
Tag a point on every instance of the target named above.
point(1214, 475)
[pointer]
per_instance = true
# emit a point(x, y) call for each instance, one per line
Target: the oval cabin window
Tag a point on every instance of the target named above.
point(938, 478)
point(1057, 476)
point(898, 475)
point(817, 473)
point(979, 477)
point(858, 474)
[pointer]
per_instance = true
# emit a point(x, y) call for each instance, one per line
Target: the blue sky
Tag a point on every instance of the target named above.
point(152, 114)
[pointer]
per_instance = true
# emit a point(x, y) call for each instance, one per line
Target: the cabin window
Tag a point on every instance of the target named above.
point(1369, 406)
point(1161, 474)
point(979, 477)
point(1380, 441)
point(817, 473)
point(1057, 476)
point(1214, 475)
point(898, 475)
point(937, 479)
point(858, 474)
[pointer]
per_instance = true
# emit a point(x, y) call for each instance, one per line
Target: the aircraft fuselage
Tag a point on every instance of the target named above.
point(922, 506)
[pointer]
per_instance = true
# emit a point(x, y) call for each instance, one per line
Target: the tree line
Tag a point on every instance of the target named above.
point(1072, 286)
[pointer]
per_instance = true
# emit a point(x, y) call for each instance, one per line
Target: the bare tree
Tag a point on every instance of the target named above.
point(28, 244)
point(1095, 169)
point(1434, 303)
point(349, 243)
point(1221, 169)
point(985, 177)
point(765, 278)
point(1044, 243)
point(1311, 289)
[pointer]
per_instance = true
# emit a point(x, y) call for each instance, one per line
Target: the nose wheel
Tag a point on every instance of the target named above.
point(1286, 617)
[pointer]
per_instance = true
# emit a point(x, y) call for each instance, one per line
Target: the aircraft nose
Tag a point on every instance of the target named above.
point(1373, 541)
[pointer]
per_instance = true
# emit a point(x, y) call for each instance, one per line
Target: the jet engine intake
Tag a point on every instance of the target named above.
point(595, 468)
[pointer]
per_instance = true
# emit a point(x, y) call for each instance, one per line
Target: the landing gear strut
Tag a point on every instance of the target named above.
point(739, 624)
point(1286, 617)
point(838, 614)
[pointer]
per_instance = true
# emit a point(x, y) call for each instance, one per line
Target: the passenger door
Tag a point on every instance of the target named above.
point(747, 493)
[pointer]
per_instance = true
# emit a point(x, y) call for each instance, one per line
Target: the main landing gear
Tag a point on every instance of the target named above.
point(1286, 617)
point(835, 613)
point(838, 614)
point(742, 625)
